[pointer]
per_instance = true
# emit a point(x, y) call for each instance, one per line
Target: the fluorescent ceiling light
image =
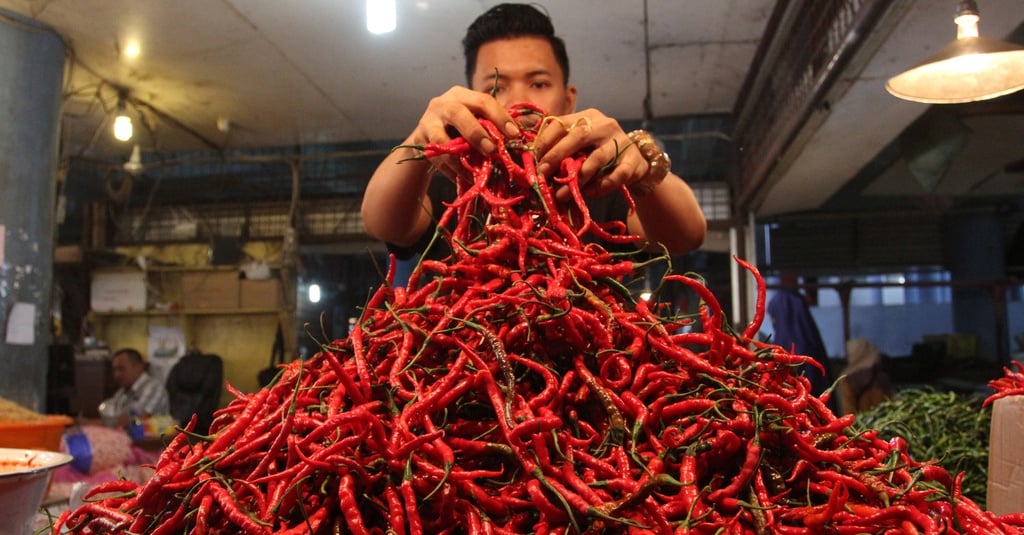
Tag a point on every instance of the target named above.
point(380, 16)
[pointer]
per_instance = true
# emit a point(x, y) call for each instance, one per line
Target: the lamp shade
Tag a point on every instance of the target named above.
point(966, 70)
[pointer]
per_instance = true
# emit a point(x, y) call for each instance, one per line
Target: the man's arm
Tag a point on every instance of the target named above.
point(395, 208)
point(669, 215)
point(116, 406)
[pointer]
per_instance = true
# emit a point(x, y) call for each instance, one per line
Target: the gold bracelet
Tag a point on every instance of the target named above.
point(658, 163)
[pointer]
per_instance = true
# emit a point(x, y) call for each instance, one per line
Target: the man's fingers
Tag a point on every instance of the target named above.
point(561, 142)
point(613, 165)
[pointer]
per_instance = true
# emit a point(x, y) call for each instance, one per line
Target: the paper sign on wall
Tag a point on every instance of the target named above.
point(21, 324)
point(166, 347)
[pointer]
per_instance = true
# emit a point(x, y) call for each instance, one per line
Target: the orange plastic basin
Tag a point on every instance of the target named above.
point(43, 434)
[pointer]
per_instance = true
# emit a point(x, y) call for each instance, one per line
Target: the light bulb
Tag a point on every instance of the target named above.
point(132, 50)
point(123, 127)
point(966, 24)
point(314, 293)
point(380, 16)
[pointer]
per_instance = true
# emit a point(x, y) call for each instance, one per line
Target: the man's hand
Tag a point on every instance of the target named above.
point(457, 113)
point(612, 162)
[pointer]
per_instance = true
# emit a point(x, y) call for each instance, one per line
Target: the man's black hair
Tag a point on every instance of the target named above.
point(132, 353)
point(509, 21)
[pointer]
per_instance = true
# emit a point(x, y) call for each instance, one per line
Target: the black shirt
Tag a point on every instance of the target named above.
point(610, 207)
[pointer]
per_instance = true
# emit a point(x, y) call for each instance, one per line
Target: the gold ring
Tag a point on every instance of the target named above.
point(551, 119)
point(582, 121)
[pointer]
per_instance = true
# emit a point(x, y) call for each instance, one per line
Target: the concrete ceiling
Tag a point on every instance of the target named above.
point(290, 72)
point(866, 119)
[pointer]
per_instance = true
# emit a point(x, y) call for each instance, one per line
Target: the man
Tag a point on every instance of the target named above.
point(512, 56)
point(140, 394)
point(796, 331)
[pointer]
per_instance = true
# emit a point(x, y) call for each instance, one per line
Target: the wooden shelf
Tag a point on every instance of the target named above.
point(197, 300)
point(189, 312)
point(172, 268)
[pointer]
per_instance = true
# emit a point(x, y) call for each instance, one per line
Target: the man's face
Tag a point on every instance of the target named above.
point(126, 370)
point(524, 69)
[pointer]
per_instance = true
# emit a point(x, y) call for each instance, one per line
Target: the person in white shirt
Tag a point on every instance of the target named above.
point(140, 394)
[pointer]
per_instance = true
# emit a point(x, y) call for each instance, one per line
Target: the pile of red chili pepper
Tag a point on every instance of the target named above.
point(518, 387)
point(1010, 384)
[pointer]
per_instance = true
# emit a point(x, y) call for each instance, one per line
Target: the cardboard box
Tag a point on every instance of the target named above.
point(261, 294)
point(118, 291)
point(210, 290)
point(1006, 457)
point(957, 346)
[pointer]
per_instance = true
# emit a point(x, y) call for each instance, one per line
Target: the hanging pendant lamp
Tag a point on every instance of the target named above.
point(969, 69)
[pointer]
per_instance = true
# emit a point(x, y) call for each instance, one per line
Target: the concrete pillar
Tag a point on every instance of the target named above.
point(31, 73)
point(977, 253)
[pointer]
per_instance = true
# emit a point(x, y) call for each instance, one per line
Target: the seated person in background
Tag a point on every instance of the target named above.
point(864, 382)
point(140, 394)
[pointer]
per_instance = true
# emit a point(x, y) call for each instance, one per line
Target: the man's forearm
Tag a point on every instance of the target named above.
point(670, 215)
point(394, 200)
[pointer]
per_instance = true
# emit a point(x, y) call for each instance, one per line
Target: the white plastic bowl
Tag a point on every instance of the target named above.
point(24, 477)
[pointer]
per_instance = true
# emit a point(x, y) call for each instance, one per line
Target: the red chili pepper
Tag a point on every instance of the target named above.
point(412, 516)
point(517, 386)
point(349, 506)
point(173, 523)
point(750, 463)
point(227, 436)
point(202, 521)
